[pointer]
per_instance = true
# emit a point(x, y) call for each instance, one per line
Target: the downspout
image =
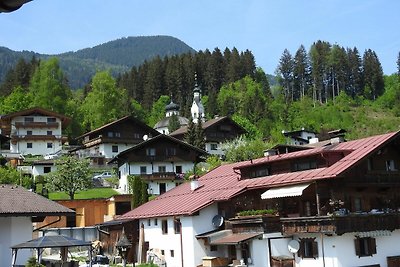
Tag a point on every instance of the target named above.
point(181, 239)
point(323, 250)
point(43, 226)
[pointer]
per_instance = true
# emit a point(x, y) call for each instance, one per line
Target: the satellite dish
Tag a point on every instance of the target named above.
point(217, 221)
point(294, 246)
point(145, 137)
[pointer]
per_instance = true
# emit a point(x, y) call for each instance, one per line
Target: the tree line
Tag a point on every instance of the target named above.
point(231, 85)
point(326, 70)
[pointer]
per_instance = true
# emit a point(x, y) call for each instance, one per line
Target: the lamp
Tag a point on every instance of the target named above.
point(122, 245)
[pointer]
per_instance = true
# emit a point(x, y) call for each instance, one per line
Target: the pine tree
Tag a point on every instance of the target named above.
point(190, 135)
point(285, 73)
point(354, 80)
point(173, 123)
point(199, 135)
point(301, 73)
point(373, 75)
point(398, 65)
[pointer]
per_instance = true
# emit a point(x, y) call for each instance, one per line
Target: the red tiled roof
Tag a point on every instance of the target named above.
point(223, 182)
point(18, 201)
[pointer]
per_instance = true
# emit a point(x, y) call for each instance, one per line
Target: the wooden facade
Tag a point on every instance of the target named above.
point(90, 212)
point(365, 198)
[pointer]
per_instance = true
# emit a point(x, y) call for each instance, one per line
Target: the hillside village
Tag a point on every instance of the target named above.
point(306, 202)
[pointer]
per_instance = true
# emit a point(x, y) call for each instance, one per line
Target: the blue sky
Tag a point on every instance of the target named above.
point(265, 27)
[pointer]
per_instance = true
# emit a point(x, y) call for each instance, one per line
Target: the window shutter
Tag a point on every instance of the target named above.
point(300, 253)
point(372, 245)
point(357, 246)
point(315, 249)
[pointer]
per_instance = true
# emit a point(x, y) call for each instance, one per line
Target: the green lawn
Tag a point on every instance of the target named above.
point(87, 194)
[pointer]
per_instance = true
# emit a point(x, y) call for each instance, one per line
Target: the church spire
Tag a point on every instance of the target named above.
point(197, 108)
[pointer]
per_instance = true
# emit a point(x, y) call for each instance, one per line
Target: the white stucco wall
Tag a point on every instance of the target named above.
point(193, 249)
point(134, 169)
point(38, 147)
point(39, 169)
point(13, 231)
point(106, 149)
point(339, 251)
point(217, 151)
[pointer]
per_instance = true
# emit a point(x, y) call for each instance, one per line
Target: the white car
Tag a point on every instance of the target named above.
point(103, 175)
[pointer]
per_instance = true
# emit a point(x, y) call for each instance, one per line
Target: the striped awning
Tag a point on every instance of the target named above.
point(286, 191)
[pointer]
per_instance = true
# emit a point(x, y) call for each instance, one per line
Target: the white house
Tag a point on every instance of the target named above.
point(34, 131)
point(161, 161)
point(19, 209)
point(332, 206)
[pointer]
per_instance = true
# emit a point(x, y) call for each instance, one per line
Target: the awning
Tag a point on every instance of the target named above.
point(286, 191)
point(234, 239)
point(226, 237)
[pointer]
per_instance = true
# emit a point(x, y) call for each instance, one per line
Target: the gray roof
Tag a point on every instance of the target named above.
point(165, 122)
point(18, 201)
point(53, 241)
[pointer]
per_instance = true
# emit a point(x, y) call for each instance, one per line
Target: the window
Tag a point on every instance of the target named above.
point(162, 169)
point(71, 220)
point(148, 222)
point(365, 246)
point(49, 132)
point(136, 135)
point(29, 145)
point(51, 120)
point(177, 226)
point(164, 227)
point(117, 134)
point(49, 145)
point(163, 188)
point(308, 248)
point(301, 166)
point(28, 132)
point(143, 169)
point(114, 149)
point(155, 222)
point(28, 119)
point(151, 152)
point(172, 252)
point(46, 169)
point(260, 172)
point(178, 169)
point(213, 248)
point(390, 165)
point(110, 134)
point(162, 252)
point(170, 151)
point(214, 146)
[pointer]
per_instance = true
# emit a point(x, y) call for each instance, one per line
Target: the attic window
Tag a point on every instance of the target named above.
point(50, 120)
point(301, 166)
point(28, 119)
point(260, 173)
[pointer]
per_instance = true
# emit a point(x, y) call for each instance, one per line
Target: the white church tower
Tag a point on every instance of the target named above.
point(197, 108)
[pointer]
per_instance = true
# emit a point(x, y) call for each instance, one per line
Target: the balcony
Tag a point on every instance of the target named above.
point(33, 124)
point(16, 138)
point(156, 176)
point(339, 225)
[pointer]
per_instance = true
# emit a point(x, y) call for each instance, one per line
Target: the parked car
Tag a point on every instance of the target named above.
point(103, 175)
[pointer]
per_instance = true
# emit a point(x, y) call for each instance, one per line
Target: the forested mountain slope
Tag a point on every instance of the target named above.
point(118, 56)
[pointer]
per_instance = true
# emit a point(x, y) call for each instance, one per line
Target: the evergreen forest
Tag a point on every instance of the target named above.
point(323, 88)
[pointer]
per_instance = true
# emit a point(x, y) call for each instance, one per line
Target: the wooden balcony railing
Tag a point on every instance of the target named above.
point(36, 124)
point(341, 224)
point(162, 176)
point(319, 224)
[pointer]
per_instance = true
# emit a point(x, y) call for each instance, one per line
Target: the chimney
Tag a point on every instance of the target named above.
point(270, 152)
point(194, 183)
point(313, 140)
point(337, 140)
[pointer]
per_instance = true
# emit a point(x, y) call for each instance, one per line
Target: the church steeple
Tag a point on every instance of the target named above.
point(197, 108)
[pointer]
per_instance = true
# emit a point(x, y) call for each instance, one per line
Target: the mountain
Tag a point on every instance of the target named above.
point(117, 56)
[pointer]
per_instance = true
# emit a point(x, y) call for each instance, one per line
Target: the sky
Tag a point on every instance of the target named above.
point(264, 27)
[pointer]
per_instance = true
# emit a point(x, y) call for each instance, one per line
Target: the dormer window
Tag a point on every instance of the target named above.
point(260, 172)
point(302, 166)
point(50, 120)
